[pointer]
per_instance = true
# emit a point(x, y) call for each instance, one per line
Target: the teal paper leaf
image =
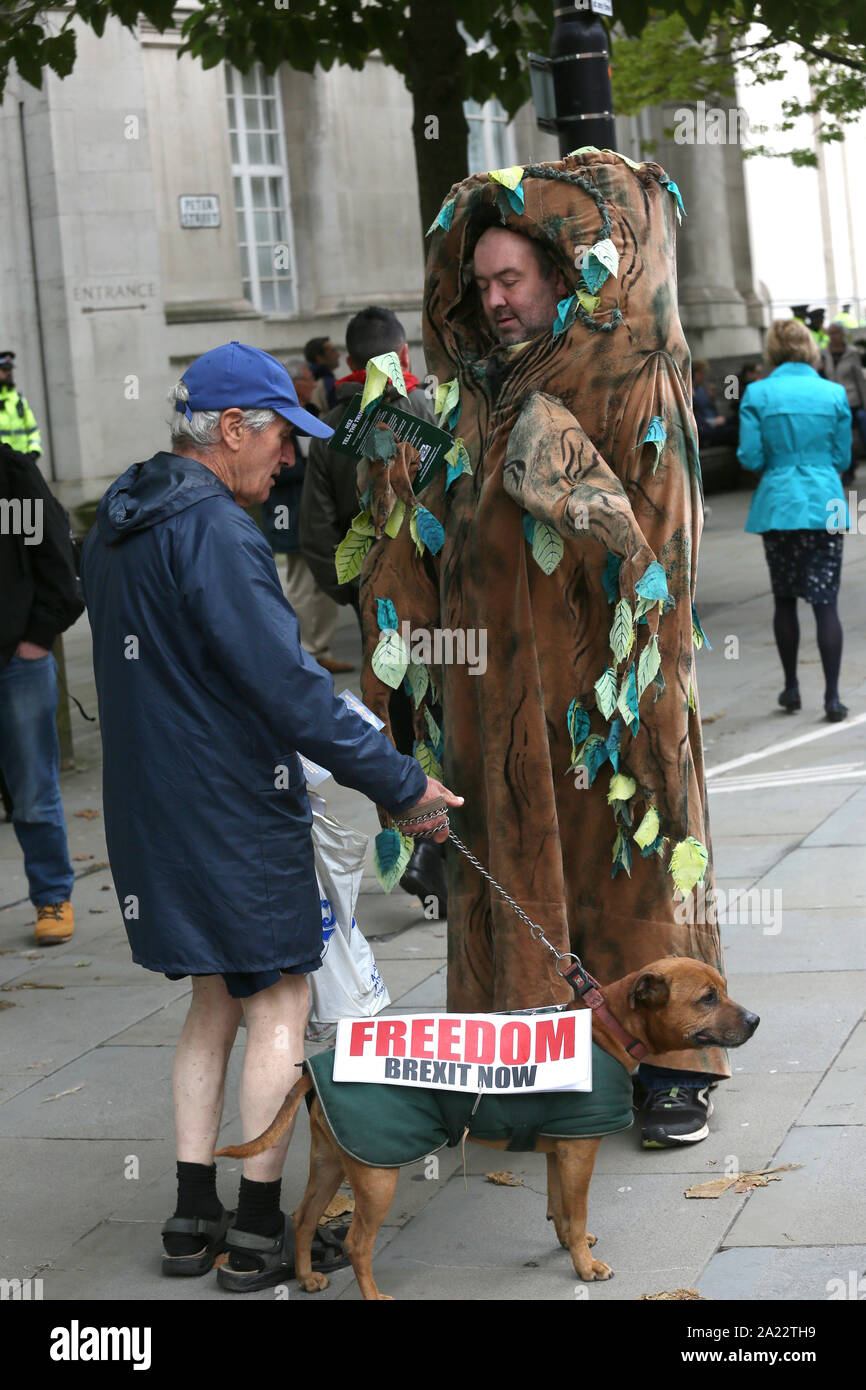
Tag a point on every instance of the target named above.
point(657, 847)
point(457, 462)
point(418, 681)
point(516, 198)
point(600, 261)
point(612, 743)
point(621, 854)
point(429, 529)
point(578, 727)
point(387, 615)
point(610, 578)
point(446, 215)
point(699, 637)
point(380, 444)
point(656, 435)
point(672, 188)
point(392, 853)
point(653, 583)
point(565, 314)
point(529, 527)
point(659, 683)
point(595, 755)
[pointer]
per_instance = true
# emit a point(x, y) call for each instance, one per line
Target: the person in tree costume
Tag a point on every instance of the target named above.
point(566, 524)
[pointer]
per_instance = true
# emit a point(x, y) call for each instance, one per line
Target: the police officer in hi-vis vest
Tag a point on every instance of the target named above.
point(18, 426)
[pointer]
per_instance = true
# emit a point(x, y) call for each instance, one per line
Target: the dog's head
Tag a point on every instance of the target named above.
point(684, 1003)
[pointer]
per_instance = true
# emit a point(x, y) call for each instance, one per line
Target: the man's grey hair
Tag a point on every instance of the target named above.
point(297, 368)
point(201, 428)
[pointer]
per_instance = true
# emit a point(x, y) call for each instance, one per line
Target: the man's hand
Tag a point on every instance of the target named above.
point(437, 827)
point(30, 652)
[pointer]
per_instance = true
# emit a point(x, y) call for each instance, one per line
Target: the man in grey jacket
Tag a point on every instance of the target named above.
point(841, 363)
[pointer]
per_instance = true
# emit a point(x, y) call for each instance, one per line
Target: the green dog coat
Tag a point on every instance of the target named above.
point(389, 1126)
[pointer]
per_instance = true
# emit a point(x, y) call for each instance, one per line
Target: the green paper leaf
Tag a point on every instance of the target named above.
point(648, 665)
point(349, 555)
point(457, 460)
point(647, 832)
point(419, 681)
point(547, 547)
point(691, 698)
point(659, 683)
point(566, 311)
point(390, 659)
point(622, 788)
point(588, 302)
point(621, 854)
point(432, 727)
point(380, 444)
point(447, 396)
point(395, 520)
point(627, 700)
point(425, 755)
point(363, 524)
point(688, 863)
point(606, 692)
point(392, 853)
point(578, 727)
point(622, 632)
point(699, 637)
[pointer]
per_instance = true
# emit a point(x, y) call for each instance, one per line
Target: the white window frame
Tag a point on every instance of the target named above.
point(246, 171)
point(492, 118)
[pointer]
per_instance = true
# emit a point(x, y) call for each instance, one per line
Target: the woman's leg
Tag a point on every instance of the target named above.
point(786, 630)
point(829, 632)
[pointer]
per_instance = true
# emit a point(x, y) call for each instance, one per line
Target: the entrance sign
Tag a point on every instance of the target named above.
point(500, 1053)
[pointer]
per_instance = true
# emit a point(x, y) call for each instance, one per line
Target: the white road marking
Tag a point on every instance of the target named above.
point(774, 748)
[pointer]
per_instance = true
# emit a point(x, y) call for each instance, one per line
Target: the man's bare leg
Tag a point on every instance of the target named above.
point(276, 1018)
point(199, 1071)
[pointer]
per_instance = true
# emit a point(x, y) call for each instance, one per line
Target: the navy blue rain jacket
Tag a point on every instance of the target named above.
point(205, 693)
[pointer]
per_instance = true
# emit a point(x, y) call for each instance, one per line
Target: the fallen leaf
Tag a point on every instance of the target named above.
point(711, 718)
point(106, 888)
point(70, 1092)
point(87, 814)
point(30, 984)
point(95, 911)
point(79, 857)
point(6, 1004)
point(741, 1182)
point(31, 1065)
point(338, 1206)
point(679, 1295)
point(504, 1179)
point(79, 964)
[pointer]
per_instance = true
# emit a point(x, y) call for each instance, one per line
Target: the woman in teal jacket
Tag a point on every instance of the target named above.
point(795, 430)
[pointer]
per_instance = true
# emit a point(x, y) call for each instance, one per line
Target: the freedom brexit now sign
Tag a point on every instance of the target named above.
point(500, 1053)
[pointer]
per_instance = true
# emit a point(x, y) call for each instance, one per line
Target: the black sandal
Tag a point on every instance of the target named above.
point(202, 1261)
point(277, 1257)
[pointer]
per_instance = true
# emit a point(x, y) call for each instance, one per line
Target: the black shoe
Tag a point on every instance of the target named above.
point(213, 1242)
point(790, 699)
point(275, 1257)
point(835, 711)
point(675, 1116)
point(424, 876)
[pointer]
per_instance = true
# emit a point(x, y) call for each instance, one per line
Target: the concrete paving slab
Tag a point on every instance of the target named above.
point(162, 1028)
point(828, 876)
point(840, 1099)
point(429, 994)
point(802, 1024)
point(52, 1193)
point(814, 940)
point(847, 826)
point(738, 814)
point(752, 858)
point(812, 1273)
point(426, 942)
point(403, 976)
point(822, 1203)
point(495, 1243)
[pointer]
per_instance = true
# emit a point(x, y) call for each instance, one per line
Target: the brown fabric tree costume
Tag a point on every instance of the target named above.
point(578, 472)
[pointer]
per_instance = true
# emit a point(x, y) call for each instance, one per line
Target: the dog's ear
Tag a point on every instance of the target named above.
point(649, 992)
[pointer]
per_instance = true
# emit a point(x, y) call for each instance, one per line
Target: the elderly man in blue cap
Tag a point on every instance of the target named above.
point(206, 697)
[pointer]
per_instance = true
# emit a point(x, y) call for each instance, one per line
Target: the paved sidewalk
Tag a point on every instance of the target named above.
point(86, 1144)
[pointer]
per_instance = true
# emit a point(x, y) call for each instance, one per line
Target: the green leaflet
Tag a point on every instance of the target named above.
point(648, 665)
point(622, 788)
point(589, 302)
point(621, 854)
point(547, 547)
point(413, 530)
point(381, 444)
point(644, 605)
point(425, 754)
point(688, 863)
point(349, 555)
point(363, 524)
point(447, 396)
point(595, 755)
point(578, 727)
point(699, 637)
point(606, 692)
point(395, 520)
point(390, 659)
point(432, 727)
point(659, 683)
point(622, 632)
point(627, 700)
point(418, 679)
point(691, 698)
point(392, 853)
point(647, 831)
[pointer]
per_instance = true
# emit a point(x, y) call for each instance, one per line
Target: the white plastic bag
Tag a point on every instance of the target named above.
point(348, 984)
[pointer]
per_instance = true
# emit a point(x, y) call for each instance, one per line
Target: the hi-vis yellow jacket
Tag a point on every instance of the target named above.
point(18, 426)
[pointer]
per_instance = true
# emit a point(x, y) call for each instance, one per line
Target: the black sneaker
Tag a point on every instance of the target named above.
point(675, 1116)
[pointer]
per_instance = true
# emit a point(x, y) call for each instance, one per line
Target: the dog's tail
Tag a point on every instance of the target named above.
point(276, 1129)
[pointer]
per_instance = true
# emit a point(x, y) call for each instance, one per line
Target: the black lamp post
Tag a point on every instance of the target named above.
point(572, 89)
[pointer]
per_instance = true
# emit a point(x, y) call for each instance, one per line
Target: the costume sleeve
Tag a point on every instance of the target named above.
point(553, 470)
point(227, 579)
point(751, 448)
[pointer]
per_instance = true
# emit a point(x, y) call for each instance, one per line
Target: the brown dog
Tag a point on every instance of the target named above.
point(671, 1004)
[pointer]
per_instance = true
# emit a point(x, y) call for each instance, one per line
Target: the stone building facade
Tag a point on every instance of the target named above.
point(152, 210)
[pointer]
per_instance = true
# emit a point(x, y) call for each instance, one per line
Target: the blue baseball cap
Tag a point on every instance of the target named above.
point(236, 376)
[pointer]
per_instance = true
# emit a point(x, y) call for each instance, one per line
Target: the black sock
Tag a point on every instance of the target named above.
point(259, 1214)
point(196, 1196)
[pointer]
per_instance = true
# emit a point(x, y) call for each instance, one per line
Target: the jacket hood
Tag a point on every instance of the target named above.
point(150, 492)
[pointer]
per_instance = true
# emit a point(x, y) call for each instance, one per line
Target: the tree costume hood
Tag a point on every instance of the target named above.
point(566, 526)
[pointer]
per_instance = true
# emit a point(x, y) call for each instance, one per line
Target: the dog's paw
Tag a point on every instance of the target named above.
point(599, 1271)
point(314, 1283)
point(591, 1240)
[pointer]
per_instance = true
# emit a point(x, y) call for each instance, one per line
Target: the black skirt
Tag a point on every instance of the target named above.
point(804, 564)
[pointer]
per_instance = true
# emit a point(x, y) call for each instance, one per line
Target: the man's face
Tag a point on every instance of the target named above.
point(255, 466)
point(837, 339)
point(7, 371)
point(304, 386)
point(330, 356)
point(518, 302)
